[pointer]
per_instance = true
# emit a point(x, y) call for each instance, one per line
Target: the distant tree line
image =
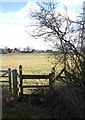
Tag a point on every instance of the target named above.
point(7, 50)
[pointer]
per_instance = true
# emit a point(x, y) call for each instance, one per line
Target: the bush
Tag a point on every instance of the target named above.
point(66, 102)
point(6, 95)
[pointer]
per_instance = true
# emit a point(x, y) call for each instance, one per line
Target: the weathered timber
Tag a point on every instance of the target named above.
point(4, 76)
point(15, 89)
point(50, 77)
point(5, 81)
point(21, 80)
point(36, 86)
point(35, 76)
point(60, 73)
point(3, 70)
point(10, 88)
point(51, 81)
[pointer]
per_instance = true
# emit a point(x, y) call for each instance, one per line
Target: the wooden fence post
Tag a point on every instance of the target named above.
point(21, 87)
point(9, 72)
point(15, 90)
point(50, 81)
point(52, 78)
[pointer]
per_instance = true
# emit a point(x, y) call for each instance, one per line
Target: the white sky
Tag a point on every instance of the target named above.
point(12, 29)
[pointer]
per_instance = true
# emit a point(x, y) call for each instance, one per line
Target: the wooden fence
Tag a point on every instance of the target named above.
point(6, 74)
point(15, 83)
point(12, 80)
point(19, 78)
point(22, 77)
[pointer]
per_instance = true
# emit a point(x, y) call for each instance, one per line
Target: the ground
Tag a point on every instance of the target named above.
point(32, 64)
point(34, 107)
point(40, 107)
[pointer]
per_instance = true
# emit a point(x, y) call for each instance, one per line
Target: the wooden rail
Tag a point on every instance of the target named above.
point(6, 74)
point(35, 76)
point(22, 77)
point(35, 86)
point(12, 75)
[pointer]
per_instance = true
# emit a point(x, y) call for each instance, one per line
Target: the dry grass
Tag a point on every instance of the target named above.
point(66, 102)
point(31, 62)
point(6, 95)
point(63, 101)
point(35, 63)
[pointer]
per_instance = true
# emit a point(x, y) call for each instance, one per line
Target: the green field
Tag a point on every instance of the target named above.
point(34, 63)
point(33, 107)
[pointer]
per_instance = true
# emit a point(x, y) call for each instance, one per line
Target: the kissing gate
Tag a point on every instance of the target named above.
point(23, 77)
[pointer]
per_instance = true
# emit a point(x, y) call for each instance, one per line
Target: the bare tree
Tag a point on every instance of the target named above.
point(63, 34)
point(59, 30)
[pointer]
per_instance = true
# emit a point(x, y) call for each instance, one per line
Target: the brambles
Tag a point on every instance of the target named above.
point(6, 95)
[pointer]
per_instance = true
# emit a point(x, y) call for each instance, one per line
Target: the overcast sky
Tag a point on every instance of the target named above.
point(14, 17)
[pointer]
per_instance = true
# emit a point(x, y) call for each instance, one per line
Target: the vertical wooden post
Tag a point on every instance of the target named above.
point(21, 80)
point(9, 72)
point(52, 79)
point(15, 90)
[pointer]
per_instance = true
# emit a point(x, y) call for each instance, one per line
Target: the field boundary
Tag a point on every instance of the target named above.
point(16, 80)
point(6, 74)
point(27, 77)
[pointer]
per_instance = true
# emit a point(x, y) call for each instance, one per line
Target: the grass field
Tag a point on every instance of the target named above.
point(34, 63)
point(39, 63)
